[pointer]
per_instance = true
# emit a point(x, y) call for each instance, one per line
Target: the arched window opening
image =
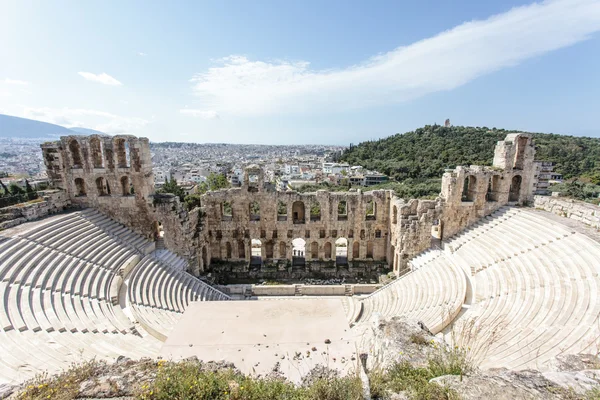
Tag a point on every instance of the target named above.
point(315, 212)
point(298, 212)
point(282, 250)
point(97, 152)
point(298, 252)
point(255, 252)
point(314, 251)
point(80, 188)
point(342, 210)
point(515, 188)
point(226, 211)
point(281, 211)
point(102, 187)
point(369, 249)
point(122, 149)
point(370, 214)
point(126, 186)
point(341, 251)
point(395, 215)
point(327, 251)
point(254, 210)
point(469, 188)
point(269, 250)
point(228, 250)
point(75, 151)
point(355, 250)
point(241, 249)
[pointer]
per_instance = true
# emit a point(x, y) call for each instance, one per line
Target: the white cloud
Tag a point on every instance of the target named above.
point(141, 54)
point(448, 60)
point(103, 78)
point(15, 82)
point(204, 114)
point(86, 118)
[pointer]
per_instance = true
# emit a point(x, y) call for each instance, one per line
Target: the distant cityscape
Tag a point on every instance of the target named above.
point(286, 167)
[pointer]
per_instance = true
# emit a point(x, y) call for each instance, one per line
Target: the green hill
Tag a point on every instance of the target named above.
point(425, 152)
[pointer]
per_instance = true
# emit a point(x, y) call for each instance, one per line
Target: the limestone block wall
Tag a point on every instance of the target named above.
point(229, 236)
point(412, 226)
point(112, 174)
point(580, 211)
point(54, 201)
point(181, 229)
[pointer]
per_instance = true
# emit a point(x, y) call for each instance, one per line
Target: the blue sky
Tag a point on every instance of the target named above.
point(283, 72)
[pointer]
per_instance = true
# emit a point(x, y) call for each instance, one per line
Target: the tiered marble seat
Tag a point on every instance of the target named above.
point(56, 279)
point(170, 258)
point(159, 293)
point(538, 289)
point(434, 294)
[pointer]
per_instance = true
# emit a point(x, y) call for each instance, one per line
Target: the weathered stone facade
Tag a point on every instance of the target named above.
point(52, 202)
point(580, 211)
point(110, 173)
point(258, 232)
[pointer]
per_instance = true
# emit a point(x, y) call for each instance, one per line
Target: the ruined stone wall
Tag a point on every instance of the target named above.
point(111, 174)
point(471, 193)
point(580, 211)
point(53, 201)
point(181, 228)
point(412, 228)
point(228, 237)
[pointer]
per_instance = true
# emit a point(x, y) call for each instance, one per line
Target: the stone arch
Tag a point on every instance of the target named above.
point(157, 230)
point(204, 257)
point(97, 152)
point(80, 190)
point(228, 250)
point(241, 249)
point(281, 211)
point(327, 251)
point(298, 252)
point(102, 186)
point(371, 210)
point(515, 188)
point(493, 188)
point(282, 249)
point(469, 188)
point(269, 249)
point(314, 250)
point(342, 210)
point(341, 251)
point(75, 151)
point(315, 211)
point(126, 188)
point(355, 250)
point(122, 150)
point(395, 215)
point(298, 212)
point(254, 211)
point(255, 252)
point(370, 249)
point(226, 211)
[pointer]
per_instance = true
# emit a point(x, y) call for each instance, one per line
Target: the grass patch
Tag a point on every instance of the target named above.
point(186, 380)
point(64, 386)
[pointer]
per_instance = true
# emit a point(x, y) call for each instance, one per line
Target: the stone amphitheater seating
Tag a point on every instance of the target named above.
point(159, 293)
point(530, 280)
point(536, 282)
point(433, 294)
point(60, 279)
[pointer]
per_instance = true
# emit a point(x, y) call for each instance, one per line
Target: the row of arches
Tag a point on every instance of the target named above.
point(298, 211)
point(469, 191)
point(103, 188)
point(300, 250)
point(97, 153)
